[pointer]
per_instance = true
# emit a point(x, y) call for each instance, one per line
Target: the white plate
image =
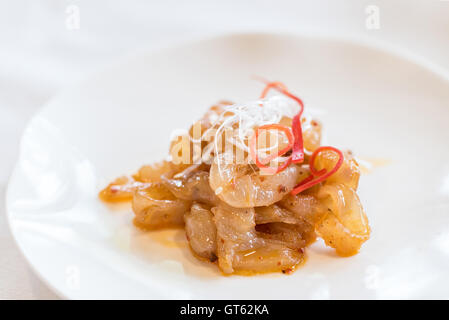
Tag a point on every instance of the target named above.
point(378, 104)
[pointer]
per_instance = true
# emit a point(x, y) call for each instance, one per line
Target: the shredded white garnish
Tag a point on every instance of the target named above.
point(244, 118)
point(250, 115)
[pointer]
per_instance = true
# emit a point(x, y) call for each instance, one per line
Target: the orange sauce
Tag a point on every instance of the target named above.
point(163, 237)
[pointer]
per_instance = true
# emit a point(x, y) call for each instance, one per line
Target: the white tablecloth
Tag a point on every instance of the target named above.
point(43, 48)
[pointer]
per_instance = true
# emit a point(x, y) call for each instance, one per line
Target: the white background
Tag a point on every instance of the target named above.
point(39, 56)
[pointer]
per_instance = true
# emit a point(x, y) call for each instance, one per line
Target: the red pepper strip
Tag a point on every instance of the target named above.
point(275, 84)
point(283, 89)
point(270, 170)
point(318, 176)
point(283, 151)
point(298, 145)
point(253, 147)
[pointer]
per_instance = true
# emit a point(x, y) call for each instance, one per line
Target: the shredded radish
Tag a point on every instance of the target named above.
point(298, 146)
point(249, 116)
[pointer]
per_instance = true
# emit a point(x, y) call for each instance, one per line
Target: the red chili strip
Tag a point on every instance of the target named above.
point(253, 147)
point(298, 145)
point(318, 176)
point(270, 85)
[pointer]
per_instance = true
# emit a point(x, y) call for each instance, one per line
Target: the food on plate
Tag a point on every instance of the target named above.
point(252, 186)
